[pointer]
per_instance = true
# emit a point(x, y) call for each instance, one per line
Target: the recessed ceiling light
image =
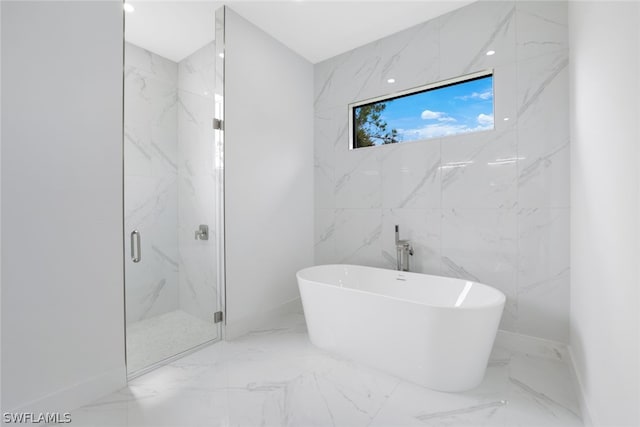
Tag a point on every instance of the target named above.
point(129, 8)
point(506, 119)
point(221, 54)
point(391, 80)
point(491, 52)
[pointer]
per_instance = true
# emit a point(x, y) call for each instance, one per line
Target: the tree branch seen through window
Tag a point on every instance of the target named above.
point(371, 129)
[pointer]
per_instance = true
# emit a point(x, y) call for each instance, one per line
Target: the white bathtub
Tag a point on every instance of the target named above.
point(434, 331)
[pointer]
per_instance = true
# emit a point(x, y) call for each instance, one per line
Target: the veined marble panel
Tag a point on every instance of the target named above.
point(198, 289)
point(468, 33)
point(358, 235)
point(138, 153)
point(150, 147)
point(149, 99)
point(196, 135)
point(358, 181)
point(165, 149)
point(410, 57)
point(543, 169)
point(150, 151)
point(196, 72)
point(505, 97)
point(198, 258)
point(543, 132)
point(480, 170)
point(543, 90)
point(152, 283)
point(542, 27)
point(155, 65)
point(333, 76)
point(411, 175)
point(331, 128)
point(489, 198)
point(481, 245)
point(422, 228)
point(543, 272)
point(325, 236)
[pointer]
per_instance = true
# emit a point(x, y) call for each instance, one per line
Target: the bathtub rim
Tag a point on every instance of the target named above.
point(500, 302)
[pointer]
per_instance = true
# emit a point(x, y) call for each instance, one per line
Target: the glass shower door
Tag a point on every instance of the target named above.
point(173, 205)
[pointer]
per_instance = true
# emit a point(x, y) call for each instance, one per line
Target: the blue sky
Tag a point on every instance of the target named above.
point(460, 108)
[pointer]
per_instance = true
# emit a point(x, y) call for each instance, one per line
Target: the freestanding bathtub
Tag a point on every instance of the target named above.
point(434, 331)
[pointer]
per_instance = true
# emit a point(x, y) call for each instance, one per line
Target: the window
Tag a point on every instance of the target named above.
point(451, 107)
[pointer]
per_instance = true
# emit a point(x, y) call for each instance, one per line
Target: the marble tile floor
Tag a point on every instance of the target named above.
point(276, 377)
point(152, 340)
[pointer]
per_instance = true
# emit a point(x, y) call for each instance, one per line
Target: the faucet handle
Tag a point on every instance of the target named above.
point(406, 245)
point(202, 232)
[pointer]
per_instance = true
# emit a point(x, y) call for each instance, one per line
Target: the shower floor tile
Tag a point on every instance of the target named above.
point(276, 377)
point(152, 340)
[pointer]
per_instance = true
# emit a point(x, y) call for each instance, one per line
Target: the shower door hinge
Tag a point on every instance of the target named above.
point(217, 317)
point(218, 124)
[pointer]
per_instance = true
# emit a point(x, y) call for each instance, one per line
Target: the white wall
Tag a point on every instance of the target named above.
point(268, 170)
point(62, 279)
point(605, 215)
point(0, 205)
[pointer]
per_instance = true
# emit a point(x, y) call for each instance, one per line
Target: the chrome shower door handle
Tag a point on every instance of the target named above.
point(136, 253)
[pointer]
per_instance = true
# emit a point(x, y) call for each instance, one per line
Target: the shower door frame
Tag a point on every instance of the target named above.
point(219, 229)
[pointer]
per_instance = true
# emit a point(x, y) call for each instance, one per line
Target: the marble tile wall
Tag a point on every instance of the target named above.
point(151, 190)
point(170, 182)
point(503, 223)
point(196, 183)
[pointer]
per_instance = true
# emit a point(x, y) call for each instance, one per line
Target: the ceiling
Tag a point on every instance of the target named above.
point(316, 30)
point(173, 29)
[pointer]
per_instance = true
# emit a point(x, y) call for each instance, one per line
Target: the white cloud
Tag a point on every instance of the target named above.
point(477, 95)
point(431, 115)
point(485, 119)
point(436, 130)
point(436, 115)
point(446, 119)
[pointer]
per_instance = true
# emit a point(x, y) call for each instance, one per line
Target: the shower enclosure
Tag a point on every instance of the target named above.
point(173, 201)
